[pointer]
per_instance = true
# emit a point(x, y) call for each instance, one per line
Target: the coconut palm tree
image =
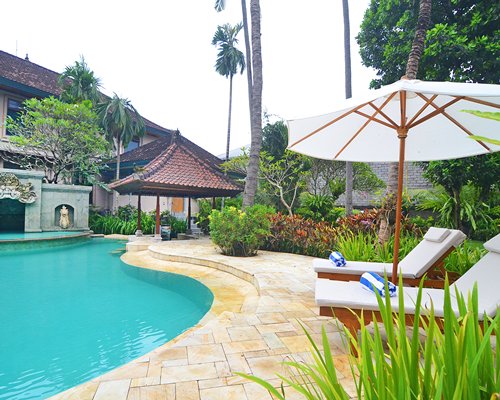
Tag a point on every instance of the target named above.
point(221, 5)
point(256, 108)
point(121, 123)
point(348, 94)
point(229, 60)
point(417, 48)
point(79, 83)
point(255, 83)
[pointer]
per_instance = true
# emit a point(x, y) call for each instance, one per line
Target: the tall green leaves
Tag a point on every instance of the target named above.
point(408, 362)
point(79, 83)
point(121, 123)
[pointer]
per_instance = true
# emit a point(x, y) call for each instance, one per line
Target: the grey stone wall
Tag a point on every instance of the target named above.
point(75, 198)
point(413, 180)
point(42, 214)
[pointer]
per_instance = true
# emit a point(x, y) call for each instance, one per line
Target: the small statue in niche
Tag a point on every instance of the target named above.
point(64, 221)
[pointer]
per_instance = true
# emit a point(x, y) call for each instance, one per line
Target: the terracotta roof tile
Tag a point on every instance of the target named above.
point(179, 168)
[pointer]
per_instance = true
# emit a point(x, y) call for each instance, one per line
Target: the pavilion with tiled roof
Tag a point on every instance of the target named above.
point(181, 169)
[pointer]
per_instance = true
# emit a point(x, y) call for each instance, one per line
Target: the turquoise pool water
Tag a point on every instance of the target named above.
point(71, 313)
point(36, 235)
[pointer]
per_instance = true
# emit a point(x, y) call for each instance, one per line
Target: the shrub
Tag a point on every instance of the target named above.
point(365, 247)
point(202, 217)
point(318, 208)
point(458, 363)
point(300, 236)
point(113, 224)
point(464, 256)
point(239, 233)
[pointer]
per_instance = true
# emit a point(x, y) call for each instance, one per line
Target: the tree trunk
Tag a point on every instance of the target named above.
point(256, 108)
point(229, 116)
point(417, 49)
point(348, 94)
point(248, 53)
point(118, 150)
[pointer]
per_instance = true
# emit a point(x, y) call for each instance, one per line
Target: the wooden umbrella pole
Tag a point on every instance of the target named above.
point(157, 214)
point(402, 134)
point(399, 207)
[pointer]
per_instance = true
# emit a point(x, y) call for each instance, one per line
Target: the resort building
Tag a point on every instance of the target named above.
point(21, 79)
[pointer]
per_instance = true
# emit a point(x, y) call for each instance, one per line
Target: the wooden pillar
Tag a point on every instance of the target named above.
point(213, 203)
point(189, 214)
point(138, 232)
point(157, 231)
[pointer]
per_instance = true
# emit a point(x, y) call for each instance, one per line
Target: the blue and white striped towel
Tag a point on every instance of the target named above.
point(373, 282)
point(337, 258)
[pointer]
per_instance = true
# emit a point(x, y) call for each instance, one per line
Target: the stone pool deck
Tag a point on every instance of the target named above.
point(253, 326)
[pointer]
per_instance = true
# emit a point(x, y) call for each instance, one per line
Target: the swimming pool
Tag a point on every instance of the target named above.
point(71, 313)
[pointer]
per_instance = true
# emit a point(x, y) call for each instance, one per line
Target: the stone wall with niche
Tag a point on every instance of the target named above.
point(42, 214)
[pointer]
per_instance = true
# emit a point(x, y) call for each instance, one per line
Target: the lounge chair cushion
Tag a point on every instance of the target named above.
point(413, 266)
point(493, 244)
point(427, 252)
point(486, 272)
point(437, 234)
point(331, 293)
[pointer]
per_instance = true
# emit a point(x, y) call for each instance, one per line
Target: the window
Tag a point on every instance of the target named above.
point(13, 110)
point(133, 144)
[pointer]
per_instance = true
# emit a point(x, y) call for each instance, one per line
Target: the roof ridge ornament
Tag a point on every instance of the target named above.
point(175, 136)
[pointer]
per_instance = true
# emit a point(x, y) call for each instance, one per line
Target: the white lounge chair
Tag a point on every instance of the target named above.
point(341, 299)
point(425, 259)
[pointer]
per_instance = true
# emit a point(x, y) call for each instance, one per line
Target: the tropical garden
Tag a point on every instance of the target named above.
point(290, 201)
point(293, 210)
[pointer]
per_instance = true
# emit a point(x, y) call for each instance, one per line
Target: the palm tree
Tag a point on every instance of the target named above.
point(221, 5)
point(79, 83)
point(229, 60)
point(417, 48)
point(121, 123)
point(348, 94)
point(254, 74)
point(256, 108)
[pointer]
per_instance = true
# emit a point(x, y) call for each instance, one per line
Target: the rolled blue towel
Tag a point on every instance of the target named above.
point(337, 258)
point(374, 282)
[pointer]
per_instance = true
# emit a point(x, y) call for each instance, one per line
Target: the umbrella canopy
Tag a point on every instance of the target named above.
point(409, 120)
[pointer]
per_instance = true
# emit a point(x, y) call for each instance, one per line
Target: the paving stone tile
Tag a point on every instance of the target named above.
point(187, 391)
point(147, 381)
point(113, 390)
point(186, 373)
point(157, 392)
point(236, 392)
point(205, 353)
point(245, 345)
point(281, 327)
point(223, 369)
point(272, 340)
point(238, 363)
point(240, 333)
point(256, 392)
point(271, 318)
point(267, 367)
point(210, 383)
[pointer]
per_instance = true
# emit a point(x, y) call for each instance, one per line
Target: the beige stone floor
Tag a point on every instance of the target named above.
point(253, 326)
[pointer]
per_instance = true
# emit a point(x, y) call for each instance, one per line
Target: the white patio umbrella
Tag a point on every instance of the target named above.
point(409, 120)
